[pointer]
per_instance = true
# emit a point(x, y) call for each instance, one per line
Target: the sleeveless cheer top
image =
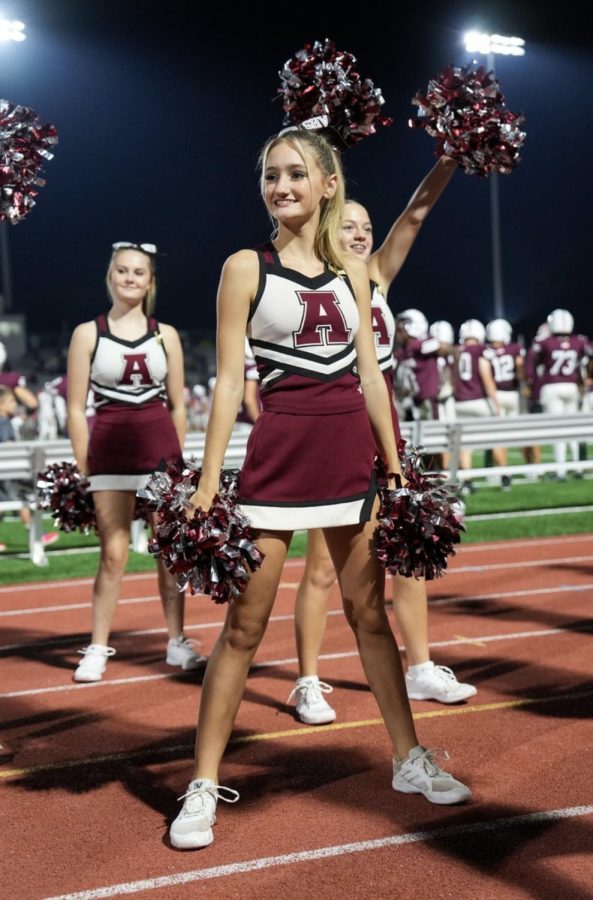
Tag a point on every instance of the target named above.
point(309, 461)
point(301, 330)
point(128, 372)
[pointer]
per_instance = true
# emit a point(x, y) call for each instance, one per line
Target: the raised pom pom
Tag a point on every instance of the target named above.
point(322, 81)
point(465, 111)
point(211, 553)
point(419, 524)
point(63, 490)
point(24, 147)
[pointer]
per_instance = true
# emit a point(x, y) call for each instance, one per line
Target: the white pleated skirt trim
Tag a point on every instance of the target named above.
point(266, 517)
point(117, 482)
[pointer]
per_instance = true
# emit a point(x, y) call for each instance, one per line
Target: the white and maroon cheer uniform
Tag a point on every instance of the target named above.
point(244, 420)
point(383, 325)
point(309, 461)
point(132, 433)
point(504, 371)
point(470, 394)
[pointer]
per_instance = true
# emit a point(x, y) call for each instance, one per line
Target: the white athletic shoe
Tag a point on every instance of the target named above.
point(311, 706)
point(193, 826)
point(437, 683)
point(180, 652)
point(419, 773)
point(93, 662)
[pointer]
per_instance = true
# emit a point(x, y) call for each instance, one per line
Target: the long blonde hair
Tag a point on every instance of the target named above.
point(149, 301)
point(309, 143)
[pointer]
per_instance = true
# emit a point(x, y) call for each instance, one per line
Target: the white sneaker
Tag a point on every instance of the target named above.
point(437, 683)
point(420, 774)
point(180, 652)
point(93, 662)
point(311, 706)
point(193, 826)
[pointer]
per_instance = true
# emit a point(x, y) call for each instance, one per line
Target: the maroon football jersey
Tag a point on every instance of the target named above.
point(559, 358)
point(468, 383)
point(504, 367)
point(421, 357)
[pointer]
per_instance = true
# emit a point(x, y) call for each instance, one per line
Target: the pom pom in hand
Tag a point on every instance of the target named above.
point(211, 553)
point(419, 524)
point(322, 81)
point(24, 146)
point(466, 113)
point(63, 490)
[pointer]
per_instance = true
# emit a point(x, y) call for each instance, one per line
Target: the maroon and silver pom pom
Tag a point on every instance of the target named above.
point(211, 553)
point(320, 80)
point(63, 490)
point(419, 524)
point(465, 111)
point(25, 144)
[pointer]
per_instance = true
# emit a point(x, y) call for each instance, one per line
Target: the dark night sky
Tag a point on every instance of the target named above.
point(160, 120)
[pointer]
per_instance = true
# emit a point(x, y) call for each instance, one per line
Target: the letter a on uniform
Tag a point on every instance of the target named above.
point(136, 370)
point(323, 321)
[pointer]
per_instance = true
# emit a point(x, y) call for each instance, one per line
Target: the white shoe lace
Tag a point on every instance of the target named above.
point(446, 674)
point(311, 691)
point(429, 764)
point(92, 651)
point(197, 795)
point(189, 644)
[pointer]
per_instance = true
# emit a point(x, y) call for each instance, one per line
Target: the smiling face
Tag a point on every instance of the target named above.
point(130, 276)
point(356, 231)
point(293, 185)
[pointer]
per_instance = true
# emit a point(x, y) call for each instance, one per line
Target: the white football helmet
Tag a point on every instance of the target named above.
point(414, 322)
point(472, 328)
point(499, 330)
point(442, 331)
point(560, 321)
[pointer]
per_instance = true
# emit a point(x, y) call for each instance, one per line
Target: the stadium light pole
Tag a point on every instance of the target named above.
point(489, 45)
point(10, 30)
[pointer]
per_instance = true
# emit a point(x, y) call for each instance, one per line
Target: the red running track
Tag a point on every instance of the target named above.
point(94, 770)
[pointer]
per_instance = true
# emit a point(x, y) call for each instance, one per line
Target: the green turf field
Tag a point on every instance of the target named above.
point(543, 501)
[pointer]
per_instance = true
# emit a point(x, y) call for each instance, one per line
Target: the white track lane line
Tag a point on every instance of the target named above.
point(291, 563)
point(66, 607)
point(66, 641)
point(512, 823)
point(293, 661)
point(459, 570)
point(522, 564)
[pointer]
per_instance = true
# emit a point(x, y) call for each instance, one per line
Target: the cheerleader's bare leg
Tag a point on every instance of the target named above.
point(310, 613)
point(362, 583)
point(410, 609)
point(228, 666)
point(114, 511)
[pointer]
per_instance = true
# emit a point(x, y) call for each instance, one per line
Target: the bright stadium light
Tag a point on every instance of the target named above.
point(12, 30)
point(489, 45)
point(477, 42)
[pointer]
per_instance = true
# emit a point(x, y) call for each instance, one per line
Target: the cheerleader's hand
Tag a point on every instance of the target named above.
point(396, 481)
point(202, 499)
